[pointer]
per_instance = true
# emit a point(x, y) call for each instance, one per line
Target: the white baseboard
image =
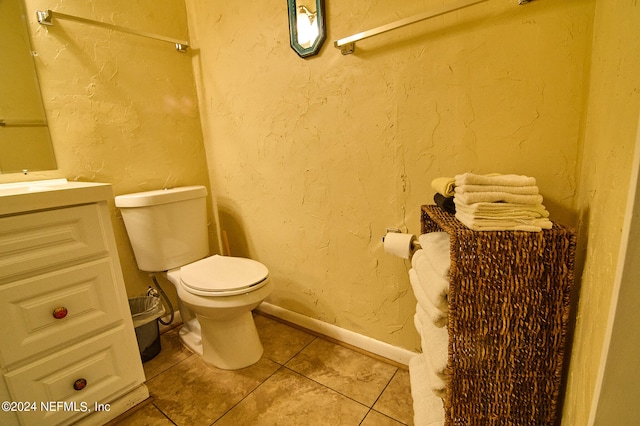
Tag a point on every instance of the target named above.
point(394, 353)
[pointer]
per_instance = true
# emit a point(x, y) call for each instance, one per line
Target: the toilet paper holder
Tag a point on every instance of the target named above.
point(415, 245)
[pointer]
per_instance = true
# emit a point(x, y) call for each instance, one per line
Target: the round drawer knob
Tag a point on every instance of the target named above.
point(59, 313)
point(80, 384)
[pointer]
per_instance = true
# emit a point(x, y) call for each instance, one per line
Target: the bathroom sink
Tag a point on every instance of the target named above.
point(15, 188)
point(45, 194)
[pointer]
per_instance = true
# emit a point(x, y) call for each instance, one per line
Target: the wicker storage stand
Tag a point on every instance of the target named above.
point(508, 312)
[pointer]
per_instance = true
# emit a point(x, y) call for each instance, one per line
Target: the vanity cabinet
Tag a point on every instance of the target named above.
point(69, 351)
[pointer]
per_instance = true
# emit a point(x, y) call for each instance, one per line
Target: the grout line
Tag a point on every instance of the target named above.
point(365, 416)
point(385, 387)
point(164, 414)
point(383, 390)
point(326, 387)
point(250, 392)
point(131, 411)
point(284, 366)
point(317, 335)
point(298, 353)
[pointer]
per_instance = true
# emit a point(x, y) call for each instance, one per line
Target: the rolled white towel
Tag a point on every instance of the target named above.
point(444, 186)
point(428, 409)
point(435, 383)
point(436, 246)
point(420, 317)
point(521, 190)
point(438, 317)
point(417, 324)
point(434, 285)
point(497, 197)
point(494, 179)
point(435, 345)
point(438, 383)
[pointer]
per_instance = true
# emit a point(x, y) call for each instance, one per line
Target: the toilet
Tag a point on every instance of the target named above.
point(216, 294)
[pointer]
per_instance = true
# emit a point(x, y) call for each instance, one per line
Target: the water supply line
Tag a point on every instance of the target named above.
point(164, 296)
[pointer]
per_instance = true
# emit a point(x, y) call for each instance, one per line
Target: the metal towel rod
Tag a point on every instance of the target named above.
point(347, 44)
point(45, 18)
point(22, 123)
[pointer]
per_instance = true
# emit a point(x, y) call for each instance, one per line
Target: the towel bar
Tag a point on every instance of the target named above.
point(347, 44)
point(45, 18)
point(22, 123)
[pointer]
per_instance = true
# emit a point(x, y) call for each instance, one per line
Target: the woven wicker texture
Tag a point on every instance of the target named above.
point(508, 312)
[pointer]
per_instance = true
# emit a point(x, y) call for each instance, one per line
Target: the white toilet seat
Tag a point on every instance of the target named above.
point(223, 276)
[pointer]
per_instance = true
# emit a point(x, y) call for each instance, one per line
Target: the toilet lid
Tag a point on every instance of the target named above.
point(222, 274)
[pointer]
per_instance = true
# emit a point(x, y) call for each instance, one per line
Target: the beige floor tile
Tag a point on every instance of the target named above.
point(376, 419)
point(148, 415)
point(172, 351)
point(396, 400)
point(287, 398)
point(187, 391)
point(344, 370)
point(280, 341)
point(195, 393)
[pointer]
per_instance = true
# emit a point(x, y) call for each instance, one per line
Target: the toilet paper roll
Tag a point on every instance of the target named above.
point(399, 244)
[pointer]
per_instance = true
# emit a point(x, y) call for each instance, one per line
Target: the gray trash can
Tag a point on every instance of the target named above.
point(145, 312)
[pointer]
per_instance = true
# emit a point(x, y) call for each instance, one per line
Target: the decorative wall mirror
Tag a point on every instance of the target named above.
point(306, 26)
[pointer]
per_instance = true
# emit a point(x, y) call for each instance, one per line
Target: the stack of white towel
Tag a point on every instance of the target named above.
point(429, 277)
point(500, 202)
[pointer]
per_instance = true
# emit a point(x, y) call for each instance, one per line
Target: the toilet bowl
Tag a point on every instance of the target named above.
point(216, 313)
point(216, 294)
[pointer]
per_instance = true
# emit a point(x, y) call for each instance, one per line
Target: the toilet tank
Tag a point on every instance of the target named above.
point(167, 228)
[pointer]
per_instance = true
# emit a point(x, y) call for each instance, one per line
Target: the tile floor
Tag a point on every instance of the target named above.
point(302, 379)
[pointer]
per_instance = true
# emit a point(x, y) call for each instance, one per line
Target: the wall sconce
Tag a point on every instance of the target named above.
point(306, 26)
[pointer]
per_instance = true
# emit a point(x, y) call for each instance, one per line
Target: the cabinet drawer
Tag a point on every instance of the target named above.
point(108, 363)
point(86, 292)
point(46, 239)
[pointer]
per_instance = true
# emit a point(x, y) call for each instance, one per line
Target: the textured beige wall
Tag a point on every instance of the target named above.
point(122, 109)
point(610, 136)
point(312, 159)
